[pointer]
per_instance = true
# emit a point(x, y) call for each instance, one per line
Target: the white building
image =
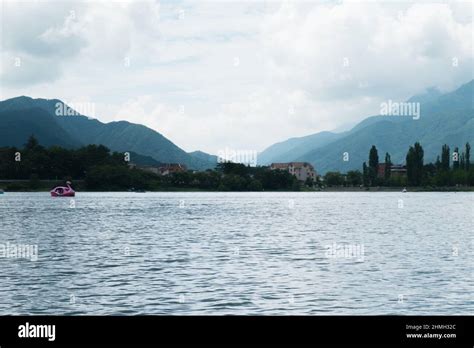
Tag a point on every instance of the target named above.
point(302, 170)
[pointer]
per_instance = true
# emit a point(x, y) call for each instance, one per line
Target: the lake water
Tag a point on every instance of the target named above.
point(237, 253)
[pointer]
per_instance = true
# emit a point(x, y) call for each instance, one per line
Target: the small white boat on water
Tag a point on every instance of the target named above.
point(404, 190)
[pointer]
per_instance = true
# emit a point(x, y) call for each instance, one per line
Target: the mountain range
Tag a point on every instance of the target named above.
point(444, 119)
point(24, 116)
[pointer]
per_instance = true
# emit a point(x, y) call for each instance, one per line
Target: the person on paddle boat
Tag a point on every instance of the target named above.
point(63, 191)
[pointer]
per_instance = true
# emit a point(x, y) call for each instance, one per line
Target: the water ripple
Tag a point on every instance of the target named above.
point(238, 253)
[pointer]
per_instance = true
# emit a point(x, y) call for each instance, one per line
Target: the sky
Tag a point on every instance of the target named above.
point(214, 75)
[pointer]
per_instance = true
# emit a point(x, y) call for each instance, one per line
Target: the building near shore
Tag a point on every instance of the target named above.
point(396, 170)
point(164, 169)
point(302, 170)
point(171, 168)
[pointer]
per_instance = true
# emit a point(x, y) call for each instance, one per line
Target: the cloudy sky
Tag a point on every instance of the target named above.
point(242, 75)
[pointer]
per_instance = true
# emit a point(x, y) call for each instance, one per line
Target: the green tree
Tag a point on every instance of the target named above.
point(456, 158)
point(438, 163)
point(414, 161)
point(388, 165)
point(234, 182)
point(109, 178)
point(365, 175)
point(309, 182)
point(35, 159)
point(32, 143)
point(462, 161)
point(275, 179)
point(429, 171)
point(459, 177)
point(334, 179)
point(181, 179)
point(255, 185)
point(354, 177)
point(468, 156)
point(445, 157)
point(373, 164)
point(233, 168)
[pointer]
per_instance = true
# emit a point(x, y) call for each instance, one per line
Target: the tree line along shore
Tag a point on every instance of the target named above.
point(96, 168)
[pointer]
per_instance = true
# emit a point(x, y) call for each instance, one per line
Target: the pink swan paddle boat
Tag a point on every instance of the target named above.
point(63, 191)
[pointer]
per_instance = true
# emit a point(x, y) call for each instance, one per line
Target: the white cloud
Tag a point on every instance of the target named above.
point(211, 75)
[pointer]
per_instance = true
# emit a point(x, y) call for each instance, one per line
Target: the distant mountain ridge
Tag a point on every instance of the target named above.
point(22, 116)
point(292, 148)
point(445, 118)
point(204, 156)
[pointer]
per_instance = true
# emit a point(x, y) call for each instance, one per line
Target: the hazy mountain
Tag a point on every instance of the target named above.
point(211, 159)
point(444, 118)
point(23, 116)
point(427, 96)
point(288, 150)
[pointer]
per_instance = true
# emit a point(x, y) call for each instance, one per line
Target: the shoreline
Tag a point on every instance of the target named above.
point(327, 189)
